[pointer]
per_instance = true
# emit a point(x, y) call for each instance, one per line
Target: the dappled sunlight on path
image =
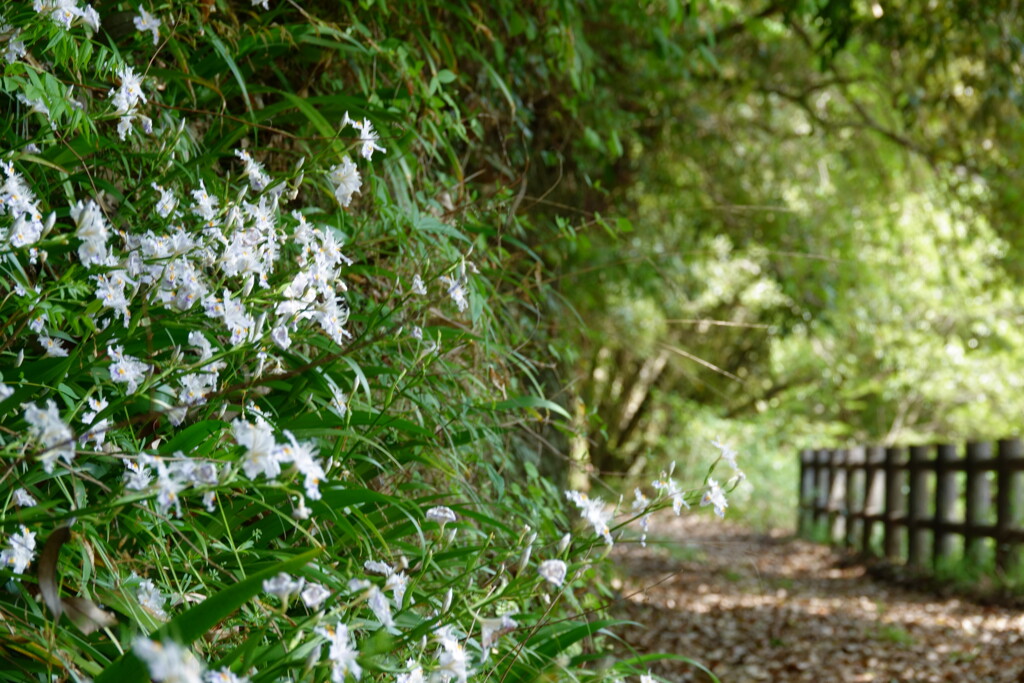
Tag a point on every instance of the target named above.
point(769, 608)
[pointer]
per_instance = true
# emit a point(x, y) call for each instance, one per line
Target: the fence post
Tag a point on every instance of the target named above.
point(805, 515)
point(1008, 503)
point(895, 503)
point(977, 500)
point(837, 521)
point(917, 508)
point(945, 503)
point(874, 494)
point(854, 494)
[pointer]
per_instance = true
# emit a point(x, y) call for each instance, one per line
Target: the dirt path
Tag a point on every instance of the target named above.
point(758, 607)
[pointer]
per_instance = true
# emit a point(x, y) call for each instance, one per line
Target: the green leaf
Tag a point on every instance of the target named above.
point(529, 402)
point(218, 45)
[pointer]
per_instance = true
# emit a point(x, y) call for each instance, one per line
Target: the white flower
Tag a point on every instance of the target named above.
point(283, 586)
point(381, 607)
point(54, 348)
point(21, 552)
point(492, 629)
point(169, 483)
point(417, 285)
point(452, 660)
point(147, 22)
point(342, 653)
point(670, 488)
point(339, 400)
point(15, 49)
point(265, 4)
point(346, 180)
point(126, 99)
point(195, 387)
point(397, 582)
point(367, 136)
point(93, 231)
point(137, 476)
point(223, 676)
point(168, 662)
point(206, 204)
point(314, 595)
point(5, 392)
point(151, 599)
point(279, 335)
point(258, 178)
point(110, 289)
point(46, 427)
point(593, 510)
point(262, 454)
point(98, 430)
point(64, 12)
point(167, 202)
point(415, 674)
point(727, 453)
point(23, 498)
point(716, 497)
point(553, 571)
point(457, 291)
point(303, 455)
point(441, 514)
point(375, 567)
point(36, 106)
point(126, 369)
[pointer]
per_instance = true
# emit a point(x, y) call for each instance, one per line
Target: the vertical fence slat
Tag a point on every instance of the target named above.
point(977, 501)
point(1008, 504)
point(895, 503)
point(874, 493)
point(837, 521)
point(917, 506)
point(854, 498)
point(945, 503)
point(805, 515)
point(821, 476)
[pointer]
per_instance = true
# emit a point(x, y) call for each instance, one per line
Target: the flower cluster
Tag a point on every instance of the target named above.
point(263, 455)
point(20, 552)
point(181, 368)
point(20, 203)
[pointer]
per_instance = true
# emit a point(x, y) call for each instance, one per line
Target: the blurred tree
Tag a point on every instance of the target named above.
point(819, 199)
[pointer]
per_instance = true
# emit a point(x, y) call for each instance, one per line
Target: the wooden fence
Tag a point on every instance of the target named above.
point(920, 505)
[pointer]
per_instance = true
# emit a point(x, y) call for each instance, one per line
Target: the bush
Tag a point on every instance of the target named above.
point(262, 364)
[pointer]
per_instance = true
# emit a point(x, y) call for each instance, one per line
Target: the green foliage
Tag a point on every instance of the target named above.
point(270, 341)
point(821, 244)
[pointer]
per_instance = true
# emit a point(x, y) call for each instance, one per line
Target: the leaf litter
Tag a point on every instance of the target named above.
point(768, 607)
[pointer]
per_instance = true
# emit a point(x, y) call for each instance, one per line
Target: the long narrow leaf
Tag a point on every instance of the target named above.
point(191, 625)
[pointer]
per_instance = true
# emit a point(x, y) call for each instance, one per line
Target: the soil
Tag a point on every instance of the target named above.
point(769, 607)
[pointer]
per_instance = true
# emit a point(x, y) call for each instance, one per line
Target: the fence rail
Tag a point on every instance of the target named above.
point(915, 504)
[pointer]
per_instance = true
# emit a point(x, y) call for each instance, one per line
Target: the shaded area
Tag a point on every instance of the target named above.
point(769, 608)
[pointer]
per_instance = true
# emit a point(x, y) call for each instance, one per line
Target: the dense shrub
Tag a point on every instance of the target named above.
point(265, 347)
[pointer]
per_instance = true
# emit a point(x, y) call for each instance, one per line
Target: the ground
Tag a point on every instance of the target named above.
point(767, 607)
